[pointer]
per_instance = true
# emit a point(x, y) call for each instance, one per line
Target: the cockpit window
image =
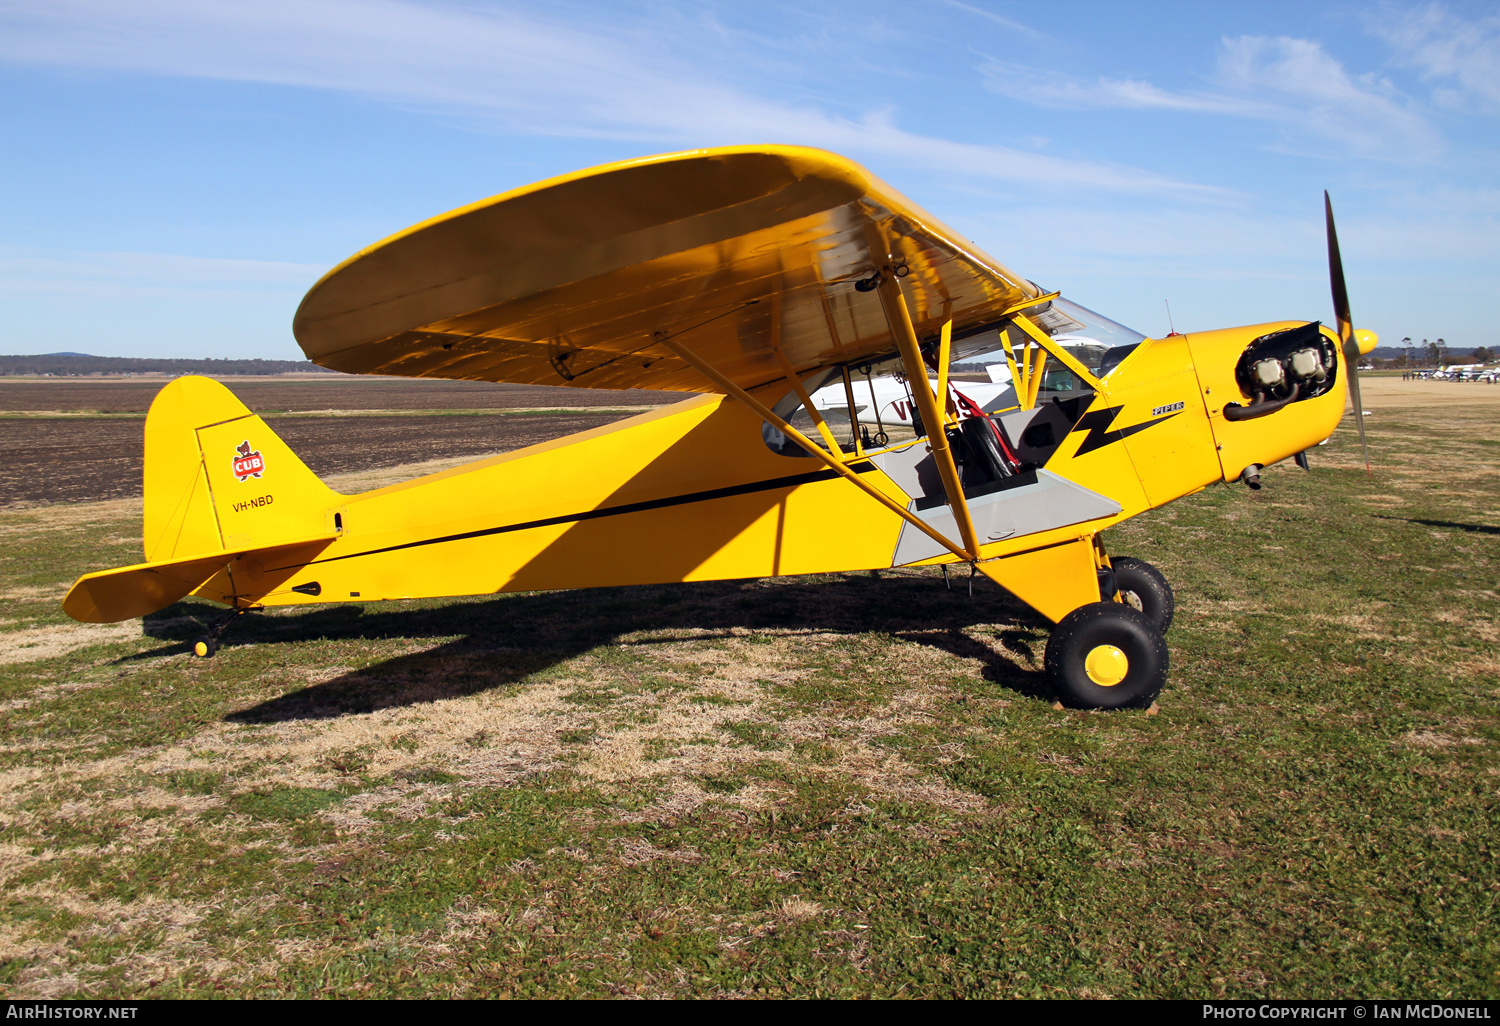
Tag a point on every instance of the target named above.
point(869, 406)
point(790, 410)
point(1097, 342)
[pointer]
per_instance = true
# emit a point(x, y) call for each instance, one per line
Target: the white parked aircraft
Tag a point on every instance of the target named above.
point(883, 401)
point(1460, 371)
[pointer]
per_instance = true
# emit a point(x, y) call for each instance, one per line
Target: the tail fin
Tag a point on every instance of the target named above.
point(218, 479)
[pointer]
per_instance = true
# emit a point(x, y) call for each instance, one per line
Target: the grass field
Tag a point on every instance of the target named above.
point(836, 786)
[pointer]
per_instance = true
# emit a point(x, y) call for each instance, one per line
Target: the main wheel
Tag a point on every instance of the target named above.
point(1143, 587)
point(1106, 655)
point(204, 646)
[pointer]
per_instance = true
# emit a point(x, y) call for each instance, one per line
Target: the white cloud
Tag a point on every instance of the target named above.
point(1293, 83)
point(98, 275)
point(1220, 267)
point(156, 304)
point(1005, 23)
point(1053, 89)
point(496, 63)
point(1320, 98)
point(1210, 241)
point(1443, 46)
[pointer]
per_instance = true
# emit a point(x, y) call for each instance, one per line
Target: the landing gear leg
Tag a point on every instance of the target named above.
point(1102, 655)
point(205, 645)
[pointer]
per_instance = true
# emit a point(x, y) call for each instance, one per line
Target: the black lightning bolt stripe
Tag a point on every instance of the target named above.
point(1097, 422)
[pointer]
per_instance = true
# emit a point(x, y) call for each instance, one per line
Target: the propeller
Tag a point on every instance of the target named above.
point(1346, 325)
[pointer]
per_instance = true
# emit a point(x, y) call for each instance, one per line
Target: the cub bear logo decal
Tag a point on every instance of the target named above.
point(247, 463)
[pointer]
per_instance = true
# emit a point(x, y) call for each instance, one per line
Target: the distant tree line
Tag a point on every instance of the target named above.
point(76, 365)
point(1429, 354)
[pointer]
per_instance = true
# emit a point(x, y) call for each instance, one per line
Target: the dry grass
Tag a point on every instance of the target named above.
point(37, 643)
point(841, 786)
point(90, 516)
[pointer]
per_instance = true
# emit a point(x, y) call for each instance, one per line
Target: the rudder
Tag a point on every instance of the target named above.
point(218, 478)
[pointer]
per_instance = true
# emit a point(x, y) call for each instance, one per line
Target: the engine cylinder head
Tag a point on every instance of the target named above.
point(1269, 372)
point(1300, 358)
point(1307, 363)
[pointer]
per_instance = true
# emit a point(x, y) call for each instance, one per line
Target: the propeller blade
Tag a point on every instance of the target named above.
point(1346, 325)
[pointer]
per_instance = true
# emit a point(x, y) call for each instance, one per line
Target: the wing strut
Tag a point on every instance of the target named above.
point(898, 317)
point(1064, 357)
point(836, 465)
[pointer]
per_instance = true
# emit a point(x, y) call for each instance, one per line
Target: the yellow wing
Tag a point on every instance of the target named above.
point(573, 281)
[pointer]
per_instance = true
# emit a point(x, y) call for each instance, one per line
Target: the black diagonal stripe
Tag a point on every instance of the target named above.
point(609, 511)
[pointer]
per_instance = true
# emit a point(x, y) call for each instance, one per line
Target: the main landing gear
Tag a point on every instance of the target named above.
point(1112, 654)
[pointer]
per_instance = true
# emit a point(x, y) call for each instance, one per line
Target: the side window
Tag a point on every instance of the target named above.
point(789, 408)
point(866, 407)
point(1027, 400)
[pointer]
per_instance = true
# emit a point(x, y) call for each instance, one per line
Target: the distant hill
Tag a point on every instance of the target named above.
point(83, 365)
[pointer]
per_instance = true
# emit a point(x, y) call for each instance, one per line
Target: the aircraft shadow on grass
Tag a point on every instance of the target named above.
point(1448, 524)
point(496, 642)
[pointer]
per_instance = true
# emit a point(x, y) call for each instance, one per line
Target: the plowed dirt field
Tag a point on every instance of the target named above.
point(67, 441)
point(317, 394)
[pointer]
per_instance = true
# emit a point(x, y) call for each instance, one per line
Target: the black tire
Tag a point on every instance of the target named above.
point(1097, 641)
point(1142, 586)
point(204, 646)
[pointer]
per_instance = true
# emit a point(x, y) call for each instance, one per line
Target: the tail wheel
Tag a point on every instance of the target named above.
point(204, 646)
point(1143, 587)
point(1106, 655)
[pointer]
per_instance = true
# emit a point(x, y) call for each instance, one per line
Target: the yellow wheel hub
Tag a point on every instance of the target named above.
point(1106, 665)
point(200, 650)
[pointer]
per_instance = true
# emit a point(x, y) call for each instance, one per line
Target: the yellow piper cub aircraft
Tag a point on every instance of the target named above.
point(751, 277)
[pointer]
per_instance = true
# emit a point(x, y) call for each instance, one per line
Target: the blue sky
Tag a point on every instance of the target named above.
point(176, 173)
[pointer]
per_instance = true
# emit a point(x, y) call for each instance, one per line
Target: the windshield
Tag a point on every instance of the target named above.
point(1099, 343)
point(1095, 327)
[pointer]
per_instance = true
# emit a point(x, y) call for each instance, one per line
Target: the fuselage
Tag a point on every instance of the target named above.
point(692, 492)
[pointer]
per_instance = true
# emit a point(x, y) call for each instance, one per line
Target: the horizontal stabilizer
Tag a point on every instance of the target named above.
point(130, 591)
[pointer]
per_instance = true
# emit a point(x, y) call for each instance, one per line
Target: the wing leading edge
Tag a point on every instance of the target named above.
point(574, 281)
